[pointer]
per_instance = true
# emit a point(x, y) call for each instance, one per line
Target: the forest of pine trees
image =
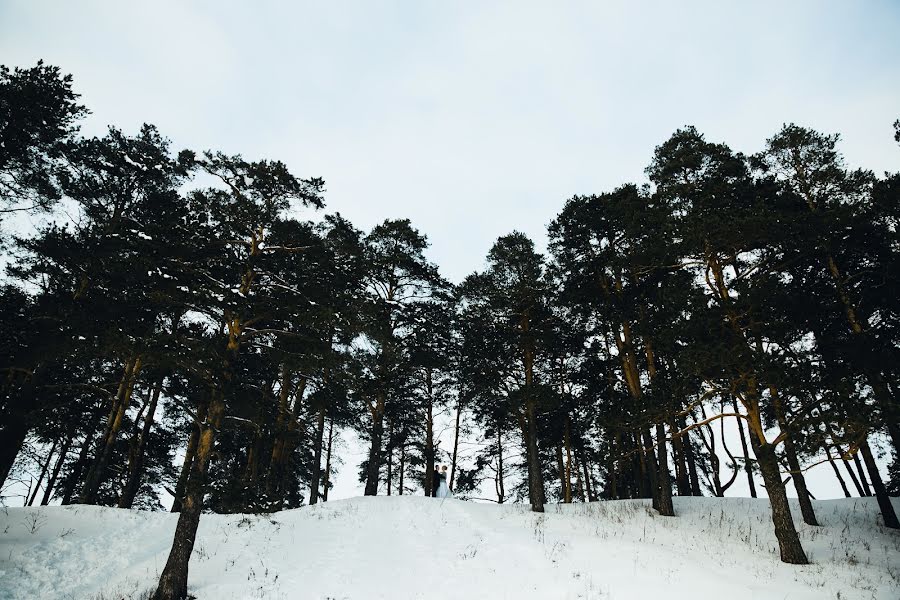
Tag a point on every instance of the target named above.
point(193, 325)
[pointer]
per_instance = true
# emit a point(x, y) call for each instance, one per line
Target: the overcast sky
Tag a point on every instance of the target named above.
point(471, 118)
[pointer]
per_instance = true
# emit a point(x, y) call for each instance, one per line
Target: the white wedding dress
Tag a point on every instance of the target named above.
point(443, 491)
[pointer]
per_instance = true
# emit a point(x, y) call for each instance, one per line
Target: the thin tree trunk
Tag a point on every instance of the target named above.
point(136, 464)
point(806, 507)
point(97, 474)
point(666, 507)
point(561, 471)
point(862, 474)
point(71, 482)
point(15, 424)
point(567, 479)
point(692, 464)
point(317, 458)
point(325, 484)
point(402, 467)
point(748, 467)
point(174, 578)
point(190, 453)
point(44, 468)
point(501, 492)
point(884, 501)
point(455, 455)
point(67, 443)
point(374, 466)
point(681, 475)
point(390, 456)
point(837, 473)
point(588, 485)
point(429, 436)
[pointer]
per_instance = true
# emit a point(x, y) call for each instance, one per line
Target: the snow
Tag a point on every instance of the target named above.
point(415, 547)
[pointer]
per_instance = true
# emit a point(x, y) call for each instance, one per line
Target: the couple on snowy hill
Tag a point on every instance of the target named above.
point(439, 487)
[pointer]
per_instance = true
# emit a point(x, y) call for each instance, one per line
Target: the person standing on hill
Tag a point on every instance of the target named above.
point(443, 490)
point(435, 481)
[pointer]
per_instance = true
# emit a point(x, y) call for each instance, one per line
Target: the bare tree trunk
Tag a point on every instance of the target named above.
point(455, 455)
point(67, 443)
point(567, 478)
point(806, 507)
point(374, 465)
point(884, 501)
point(588, 485)
point(71, 482)
point(44, 468)
point(97, 474)
point(325, 484)
point(15, 423)
point(666, 507)
point(173, 581)
point(402, 467)
point(788, 540)
point(136, 464)
point(837, 473)
point(317, 458)
point(190, 453)
point(748, 467)
point(862, 474)
point(429, 436)
point(390, 456)
point(501, 492)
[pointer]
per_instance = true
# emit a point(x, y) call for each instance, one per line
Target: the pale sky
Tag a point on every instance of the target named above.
point(471, 118)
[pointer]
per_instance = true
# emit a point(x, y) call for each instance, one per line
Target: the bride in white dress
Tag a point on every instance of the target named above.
point(443, 490)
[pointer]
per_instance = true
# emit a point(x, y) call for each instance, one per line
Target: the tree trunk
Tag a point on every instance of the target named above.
point(67, 443)
point(455, 454)
point(884, 501)
point(97, 475)
point(136, 464)
point(652, 467)
point(862, 474)
point(588, 486)
point(692, 464)
point(402, 467)
point(666, 508)
point(317, 458)
point(788, 540)
point(44, 468)
point(71, 483)
point(429, 437)
point(681, 475)
point(327, 478)
point(501, 492)
point(274, 477)
point(748, 467)
point(390, 456)
point(174, 578)
point(806, 507)
point(374, 466)
point(561, 471)
point(535, 480)
point(837, 473)
point(15, 424)
point(189, 455)
point(567, 479)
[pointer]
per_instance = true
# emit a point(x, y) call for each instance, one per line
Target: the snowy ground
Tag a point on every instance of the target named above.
point(415, 547)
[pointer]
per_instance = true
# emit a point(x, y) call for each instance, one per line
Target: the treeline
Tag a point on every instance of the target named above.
point(177, 328)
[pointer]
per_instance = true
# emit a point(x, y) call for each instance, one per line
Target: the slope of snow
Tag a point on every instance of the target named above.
point(415, 547)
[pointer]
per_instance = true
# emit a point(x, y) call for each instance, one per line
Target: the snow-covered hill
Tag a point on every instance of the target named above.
point(414, 547)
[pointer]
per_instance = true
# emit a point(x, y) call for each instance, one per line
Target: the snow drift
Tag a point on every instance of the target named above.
point(415, 547)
